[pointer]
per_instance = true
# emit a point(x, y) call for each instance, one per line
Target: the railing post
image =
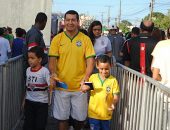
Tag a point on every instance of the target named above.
point(4, 73)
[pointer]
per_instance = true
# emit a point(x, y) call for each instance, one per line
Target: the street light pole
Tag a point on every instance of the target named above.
point(151, 9)
point(119, 17)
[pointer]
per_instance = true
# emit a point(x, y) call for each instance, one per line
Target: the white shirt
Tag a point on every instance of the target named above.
point(161, 54)
point(102, 45)
point(37, 80)
point(4, 50)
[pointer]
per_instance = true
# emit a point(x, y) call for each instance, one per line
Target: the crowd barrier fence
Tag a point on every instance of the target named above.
point(11, 92)
point(144, 103)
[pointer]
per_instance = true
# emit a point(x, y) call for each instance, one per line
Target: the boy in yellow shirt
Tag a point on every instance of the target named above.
point(104, 96)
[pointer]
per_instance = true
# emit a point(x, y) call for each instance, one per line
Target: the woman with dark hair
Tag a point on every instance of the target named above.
point(102, 44)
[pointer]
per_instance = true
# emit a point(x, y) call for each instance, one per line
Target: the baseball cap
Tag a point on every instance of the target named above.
point(113, 27)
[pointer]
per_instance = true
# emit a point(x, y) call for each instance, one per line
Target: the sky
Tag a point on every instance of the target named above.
point(131, 10)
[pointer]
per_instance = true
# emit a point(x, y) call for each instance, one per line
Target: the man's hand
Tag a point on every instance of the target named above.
point(53, 79)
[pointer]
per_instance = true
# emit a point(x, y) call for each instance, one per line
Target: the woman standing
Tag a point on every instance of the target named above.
point(102, 44)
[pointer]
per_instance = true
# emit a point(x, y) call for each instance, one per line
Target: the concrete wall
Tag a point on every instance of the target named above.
point(22, 13)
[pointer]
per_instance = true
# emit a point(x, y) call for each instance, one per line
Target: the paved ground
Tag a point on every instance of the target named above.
point(51, 124)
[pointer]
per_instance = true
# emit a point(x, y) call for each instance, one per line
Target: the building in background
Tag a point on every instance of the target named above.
point(22, 13)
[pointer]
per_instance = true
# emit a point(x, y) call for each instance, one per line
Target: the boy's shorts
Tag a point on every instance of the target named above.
point(96, 124)
point(70, 103)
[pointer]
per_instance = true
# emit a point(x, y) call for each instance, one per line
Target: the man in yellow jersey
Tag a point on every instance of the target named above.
point(72, 62)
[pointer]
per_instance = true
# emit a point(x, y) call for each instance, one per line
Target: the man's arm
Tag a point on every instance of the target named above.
point(52, 69)
point(90, 62)
point(155, 74)
point(52, 65)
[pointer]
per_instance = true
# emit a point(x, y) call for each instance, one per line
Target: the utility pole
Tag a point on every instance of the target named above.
point(108, 17)
point(151, 9)
point(102, 17)
point(120, 12)
point(116, 21)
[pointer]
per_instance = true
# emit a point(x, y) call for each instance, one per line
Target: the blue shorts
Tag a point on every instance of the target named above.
point(96, 124)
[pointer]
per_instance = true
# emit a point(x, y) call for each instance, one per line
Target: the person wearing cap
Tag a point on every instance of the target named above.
point(140, 49)
point(116, 42)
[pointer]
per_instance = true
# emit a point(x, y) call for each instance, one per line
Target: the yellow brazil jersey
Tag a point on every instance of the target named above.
point(102, 96)
point(72, 55)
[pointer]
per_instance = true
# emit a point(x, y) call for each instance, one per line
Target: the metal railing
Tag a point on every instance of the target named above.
point(143, 103)
point(11, 92)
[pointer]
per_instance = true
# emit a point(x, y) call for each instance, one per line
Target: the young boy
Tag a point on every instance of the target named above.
point(36, 100)
point(104, 96)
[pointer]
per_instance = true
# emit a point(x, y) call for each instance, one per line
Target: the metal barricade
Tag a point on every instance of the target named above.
point(11, 92)
point(143, 103)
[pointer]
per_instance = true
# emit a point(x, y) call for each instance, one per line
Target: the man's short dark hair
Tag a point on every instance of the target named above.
point(135, 30)
point(19, 32)
point(41, 17)
point(72, 12)
point(148, 28)
point(1, 31)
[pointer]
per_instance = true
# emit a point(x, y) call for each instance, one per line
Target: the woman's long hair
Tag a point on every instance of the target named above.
point(90, 30)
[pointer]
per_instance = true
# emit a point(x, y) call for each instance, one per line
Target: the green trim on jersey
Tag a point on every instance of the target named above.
point(70, 37)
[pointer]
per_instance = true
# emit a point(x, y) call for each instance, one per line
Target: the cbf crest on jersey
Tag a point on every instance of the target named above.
point(108, 89)
point(78, 43)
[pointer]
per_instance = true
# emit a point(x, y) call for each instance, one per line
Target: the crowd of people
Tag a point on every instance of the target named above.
point(75, 57)
point(9, 46)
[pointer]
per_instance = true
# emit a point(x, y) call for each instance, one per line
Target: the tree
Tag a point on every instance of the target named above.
point(160, 20)
point(127, 23)
point(124, 26)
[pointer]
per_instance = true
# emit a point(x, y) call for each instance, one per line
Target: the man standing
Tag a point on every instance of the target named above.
point(34, 37)
point(71, 61)
point(125, 48)
point(140, 49)
point(160, 67)
point(116, 42)
point(160, 63)
point(4, 47)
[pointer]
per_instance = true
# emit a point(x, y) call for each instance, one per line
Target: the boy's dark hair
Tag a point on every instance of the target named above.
point(39, 52)
point(41, 17)
point(72, 12)
point(103, 59)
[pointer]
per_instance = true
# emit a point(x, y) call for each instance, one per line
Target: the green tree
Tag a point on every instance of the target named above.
point(127, 23)
point(124, 26)
point(160, 20)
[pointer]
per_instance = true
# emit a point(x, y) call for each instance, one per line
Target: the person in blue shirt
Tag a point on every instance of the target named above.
point(18, 43)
